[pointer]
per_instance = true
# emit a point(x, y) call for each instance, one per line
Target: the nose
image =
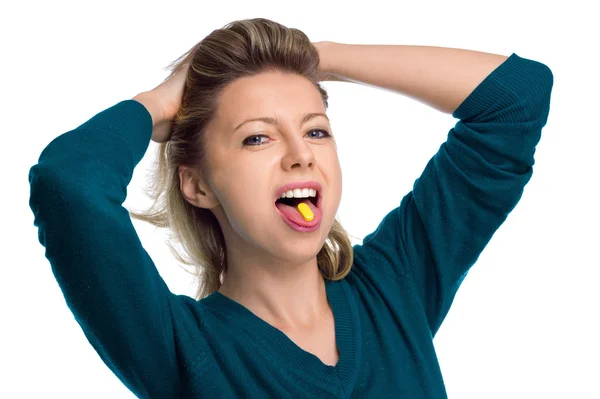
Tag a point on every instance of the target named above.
point(298, 154)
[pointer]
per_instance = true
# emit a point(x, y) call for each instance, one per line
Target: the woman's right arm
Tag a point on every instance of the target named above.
point(109, 281)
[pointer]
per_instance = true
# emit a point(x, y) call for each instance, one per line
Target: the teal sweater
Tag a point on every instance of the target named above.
point(387, 310)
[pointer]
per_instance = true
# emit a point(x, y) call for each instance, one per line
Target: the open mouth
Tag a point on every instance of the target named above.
point(302, 220)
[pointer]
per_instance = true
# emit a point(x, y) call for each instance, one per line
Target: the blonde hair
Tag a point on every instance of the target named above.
point(241, 48)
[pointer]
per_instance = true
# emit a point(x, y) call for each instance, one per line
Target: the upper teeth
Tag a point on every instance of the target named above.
point(299, 193)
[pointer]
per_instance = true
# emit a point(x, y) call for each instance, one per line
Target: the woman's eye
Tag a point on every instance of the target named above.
point(251, 140)
point(325, 132)
point(254, 140)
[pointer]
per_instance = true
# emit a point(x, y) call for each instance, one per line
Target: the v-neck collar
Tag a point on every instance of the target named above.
point(347, 333)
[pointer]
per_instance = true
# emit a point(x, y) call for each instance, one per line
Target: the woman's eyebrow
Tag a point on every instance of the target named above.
point(275, 121)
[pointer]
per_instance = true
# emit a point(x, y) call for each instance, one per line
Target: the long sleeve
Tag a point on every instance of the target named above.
point(468, 187)
point(108, 280)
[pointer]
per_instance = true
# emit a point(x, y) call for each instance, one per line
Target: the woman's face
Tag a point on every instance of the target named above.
point(246, 163)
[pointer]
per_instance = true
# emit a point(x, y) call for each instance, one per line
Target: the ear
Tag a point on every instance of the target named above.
point(194, 189)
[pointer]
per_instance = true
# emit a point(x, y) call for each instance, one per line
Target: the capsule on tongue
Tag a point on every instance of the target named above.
point(305, 211)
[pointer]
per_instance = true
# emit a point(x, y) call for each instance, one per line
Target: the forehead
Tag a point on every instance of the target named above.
point(275, 94)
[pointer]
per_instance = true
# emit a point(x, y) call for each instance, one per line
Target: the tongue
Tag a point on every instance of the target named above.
point(293, 214)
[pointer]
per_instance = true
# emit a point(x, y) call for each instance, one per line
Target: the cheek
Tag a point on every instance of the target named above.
point(245, 208)
point(335, 180)
point(244, 220)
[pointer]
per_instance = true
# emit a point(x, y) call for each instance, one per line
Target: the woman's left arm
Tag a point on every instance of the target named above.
point(478, 175)
point(437, 76)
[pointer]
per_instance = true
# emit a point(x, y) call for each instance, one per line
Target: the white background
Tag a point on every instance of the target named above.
point(524, 323)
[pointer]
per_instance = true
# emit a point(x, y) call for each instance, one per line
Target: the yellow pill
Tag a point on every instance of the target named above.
point(305, 212)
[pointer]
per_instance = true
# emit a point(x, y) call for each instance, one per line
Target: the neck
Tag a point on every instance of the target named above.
point(293, 300)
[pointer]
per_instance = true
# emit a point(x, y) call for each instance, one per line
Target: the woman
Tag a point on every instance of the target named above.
point(286, 307)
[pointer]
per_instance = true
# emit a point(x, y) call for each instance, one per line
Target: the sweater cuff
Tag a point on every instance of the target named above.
point(128, 120)
point(521, 78)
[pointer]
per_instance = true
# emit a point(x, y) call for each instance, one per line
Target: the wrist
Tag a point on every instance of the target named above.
point(148, 100)
point(327, 70)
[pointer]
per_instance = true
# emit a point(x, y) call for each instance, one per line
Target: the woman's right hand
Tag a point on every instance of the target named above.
point(163, 102)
